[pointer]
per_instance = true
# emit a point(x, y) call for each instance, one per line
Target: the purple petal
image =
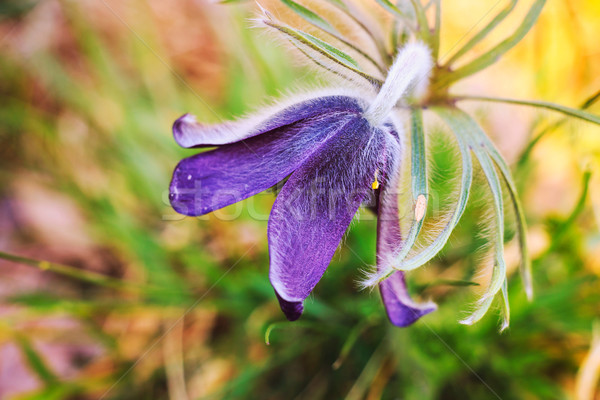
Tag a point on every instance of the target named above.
point(189, 133)
point(215, 179)
point(401, 309)
point(315, 207)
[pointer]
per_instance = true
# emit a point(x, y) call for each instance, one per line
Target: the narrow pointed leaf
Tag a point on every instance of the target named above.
point(315, 44)
point(310, 16)
point(317, 62)
point(462, 124)
point(479, 312)
point(465, 186)
point(435, 39)
point(316, 20)
point(525, 265)
point(420, 191)
point(391, 8)
point(339, 4)
point(572, 112)
point(494, 54)
point(422, 21)
point(35, 361)
point(484, 32)
point(499, 274)
point(505, 306)
point(525, 154)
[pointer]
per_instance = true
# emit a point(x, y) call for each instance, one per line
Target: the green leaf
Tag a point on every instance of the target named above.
point(572, 112)
point(36, 362)
point(505, 306)
point(484, 32)
point(338, 54)
point(325, 26)
point(351, 340)
point(339, 4)
point(435, 38)
point(462, 124)
point(525, 265)
point(375, 38)
point(446, 282)
point(310, 16)
point(419, 155)
point(391, 8)
point(465, 186)
point(525, 154)
point(494, 54)
point(420, 191)
point(315, 44)
point(319, 63)
point(422, 21)
point(563, 228)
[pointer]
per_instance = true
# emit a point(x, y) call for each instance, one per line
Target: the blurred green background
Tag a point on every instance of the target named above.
point(151, 305)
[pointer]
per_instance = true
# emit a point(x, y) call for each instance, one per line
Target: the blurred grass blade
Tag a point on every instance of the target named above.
point(532, 143)
point(391, 8)
point(525, 265)
point(483, 33)
point(367, 376)
point(563, 228)
point(494, 54)
point(465, 186)
point(72, 272)
point(287, 325)
point(571, 112)
point(445, 282)
point(328, 51)
point(319, 22)
point(435, 39)
point(339, 4)
point(36, 362)
point(350, 342)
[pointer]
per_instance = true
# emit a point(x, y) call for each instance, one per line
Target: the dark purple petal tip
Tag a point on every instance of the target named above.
point(292, 309)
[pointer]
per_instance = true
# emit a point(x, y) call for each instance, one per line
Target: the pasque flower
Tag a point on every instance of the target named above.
point(340, 149)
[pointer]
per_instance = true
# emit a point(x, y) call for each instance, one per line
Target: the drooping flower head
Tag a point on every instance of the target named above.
point(339, 149)
point(343, 147)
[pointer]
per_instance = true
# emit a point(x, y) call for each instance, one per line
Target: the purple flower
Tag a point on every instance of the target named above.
point(340, 149)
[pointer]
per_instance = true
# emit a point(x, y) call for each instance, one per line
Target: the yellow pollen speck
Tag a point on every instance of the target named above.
point(375, 184)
